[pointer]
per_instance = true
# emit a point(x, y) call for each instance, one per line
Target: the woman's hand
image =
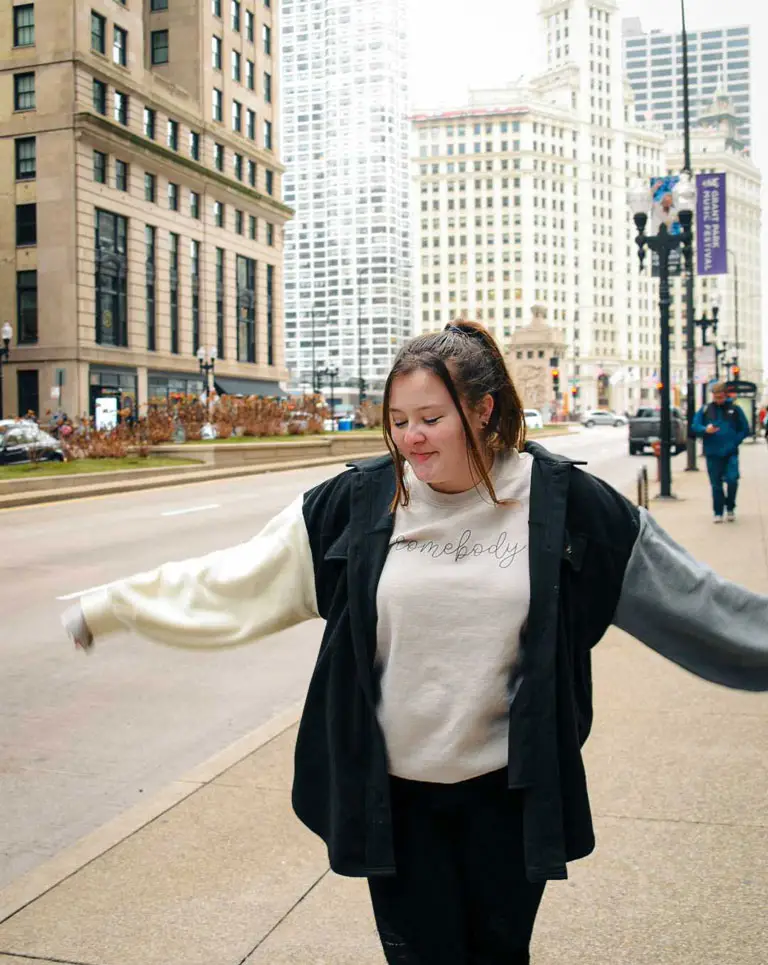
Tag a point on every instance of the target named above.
point(75, 625)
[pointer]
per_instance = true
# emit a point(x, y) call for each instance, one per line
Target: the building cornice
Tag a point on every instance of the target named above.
point(86, 120)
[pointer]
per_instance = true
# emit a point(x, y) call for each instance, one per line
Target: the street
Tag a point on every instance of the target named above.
point(83, 738)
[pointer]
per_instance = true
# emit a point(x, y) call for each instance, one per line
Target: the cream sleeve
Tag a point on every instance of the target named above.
point(225, 599)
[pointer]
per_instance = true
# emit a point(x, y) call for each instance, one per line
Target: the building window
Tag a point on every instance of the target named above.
point(237, 116)
point(194, 261)
point(121, 175)
point(26, 306)
point(194, 204)
point(216, 8)
point(246, 309)
point(269, 181)
point(120, 46)
point(159, 46)
point(236, 16)
point(173, 196)
point(150, 188)
point(121, 108)
point(100, 167)
point(216, 52)
point(270, 315)
point(173, 135)
point(159, 5)
point(219, 214)
point(267, 87)
point(266, 36)
point(220, 302)
point(174, 292)
point(250, 74)
point(218, 156)
point(236, 62)
point(24, 25)
point(250, 124)
point(111, 279)
point(26, 158)
point(26, 225)
point(270, 234)
point(150, 236)
point(99, 96)
point(217, 104)
point(194, 145)
point(249, 25)
point(24, 92)
point(238, 222)
point(268, 135)
point(238, 166)
point(150, 123)
point(98, 33)
point(252, 173)
point(252, 227)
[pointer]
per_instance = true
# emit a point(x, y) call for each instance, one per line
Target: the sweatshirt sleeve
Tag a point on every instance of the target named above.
point(683, 610)
point(225, 599)
point(698, 426)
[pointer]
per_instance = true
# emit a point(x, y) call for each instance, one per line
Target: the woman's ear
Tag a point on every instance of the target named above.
point(485, 410)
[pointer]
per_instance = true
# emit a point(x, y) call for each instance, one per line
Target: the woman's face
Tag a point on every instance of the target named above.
point(427, 430)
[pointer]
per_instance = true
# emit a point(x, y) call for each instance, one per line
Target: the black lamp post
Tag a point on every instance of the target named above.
point(331, 375)
point(663, 244)
point(206, 370)
point(705, 323)
point(5, 351)
point(361, 380)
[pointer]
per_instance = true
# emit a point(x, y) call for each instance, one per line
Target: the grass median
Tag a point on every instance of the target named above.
point(29, 470)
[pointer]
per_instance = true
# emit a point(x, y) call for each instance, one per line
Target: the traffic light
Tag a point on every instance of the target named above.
point(575, 391)
point(736, 373)
point(555, 381)
point(659, 386)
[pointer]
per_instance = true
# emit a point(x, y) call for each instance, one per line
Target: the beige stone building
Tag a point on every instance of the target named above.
point(139, 211)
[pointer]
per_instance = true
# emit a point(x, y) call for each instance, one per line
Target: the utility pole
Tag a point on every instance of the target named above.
point(690, 332)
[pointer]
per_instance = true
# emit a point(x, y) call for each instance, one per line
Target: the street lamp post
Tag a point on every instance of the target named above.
point(735, 301)
point(331, 375)
point(705, 323)
point(5, 351)
point(361, 380)
point(663, 244)
point(206, 370)
point(690, 340)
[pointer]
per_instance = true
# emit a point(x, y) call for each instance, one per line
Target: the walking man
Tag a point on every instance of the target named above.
point(724, 427)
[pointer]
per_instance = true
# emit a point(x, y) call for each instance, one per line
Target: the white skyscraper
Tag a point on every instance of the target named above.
point(716, 58)
point(345, 147)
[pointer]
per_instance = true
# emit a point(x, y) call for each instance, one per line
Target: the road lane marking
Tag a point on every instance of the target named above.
point(193, 509)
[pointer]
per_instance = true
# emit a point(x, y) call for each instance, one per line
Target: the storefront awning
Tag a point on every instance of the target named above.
point(227, 386)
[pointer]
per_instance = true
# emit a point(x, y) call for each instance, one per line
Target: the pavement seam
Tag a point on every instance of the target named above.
point(46, 959)
point(652, 820)
point(290, 911)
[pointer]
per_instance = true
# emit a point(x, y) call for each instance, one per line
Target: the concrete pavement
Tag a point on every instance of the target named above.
point(216, 870)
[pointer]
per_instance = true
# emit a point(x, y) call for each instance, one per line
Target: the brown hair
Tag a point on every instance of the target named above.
point(466, 358)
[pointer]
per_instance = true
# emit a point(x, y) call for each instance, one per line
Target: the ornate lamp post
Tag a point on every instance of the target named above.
point(663, 244)
point(705, 323)
point(206, 370)
point(5, 351)
point(331, 375)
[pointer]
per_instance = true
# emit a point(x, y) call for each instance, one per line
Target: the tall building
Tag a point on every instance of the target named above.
point(654, 65)
point(139, 199)
point(521, 200)
point(345, 129)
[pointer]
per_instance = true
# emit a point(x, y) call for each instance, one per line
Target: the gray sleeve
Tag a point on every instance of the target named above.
point(686, 612)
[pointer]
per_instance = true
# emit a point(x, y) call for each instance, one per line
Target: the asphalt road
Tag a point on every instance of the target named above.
point(82, 738)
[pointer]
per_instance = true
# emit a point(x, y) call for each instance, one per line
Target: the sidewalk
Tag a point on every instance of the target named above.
point(217, 871)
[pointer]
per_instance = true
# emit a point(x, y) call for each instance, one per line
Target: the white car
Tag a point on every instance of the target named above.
point(533, 419)
point(602, 417)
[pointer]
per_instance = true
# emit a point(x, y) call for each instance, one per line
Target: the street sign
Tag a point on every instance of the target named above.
point(55, 393)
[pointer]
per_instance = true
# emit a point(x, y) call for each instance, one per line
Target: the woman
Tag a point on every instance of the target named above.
point(463, 579)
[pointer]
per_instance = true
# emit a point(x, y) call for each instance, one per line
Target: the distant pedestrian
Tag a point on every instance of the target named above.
point(723, 426)
point(464, 580)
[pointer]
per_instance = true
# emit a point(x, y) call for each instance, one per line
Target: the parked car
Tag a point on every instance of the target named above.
point(23, 441)
point(533, 419)
point(602, 417)
point(646, 425)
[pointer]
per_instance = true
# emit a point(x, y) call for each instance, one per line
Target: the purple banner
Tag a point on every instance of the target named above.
point(711, 225)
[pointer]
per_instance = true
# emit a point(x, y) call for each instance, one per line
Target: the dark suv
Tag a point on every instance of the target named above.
point(24, 441)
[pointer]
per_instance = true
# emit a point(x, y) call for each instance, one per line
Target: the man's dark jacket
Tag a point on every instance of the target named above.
point(594, 559)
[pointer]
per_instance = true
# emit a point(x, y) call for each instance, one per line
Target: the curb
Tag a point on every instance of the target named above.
point(35, 883)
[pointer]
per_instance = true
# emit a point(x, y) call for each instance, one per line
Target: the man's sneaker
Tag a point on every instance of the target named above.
point(731, 517)
point(718, 519)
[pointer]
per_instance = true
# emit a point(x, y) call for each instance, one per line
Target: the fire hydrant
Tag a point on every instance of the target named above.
point(656, 447)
